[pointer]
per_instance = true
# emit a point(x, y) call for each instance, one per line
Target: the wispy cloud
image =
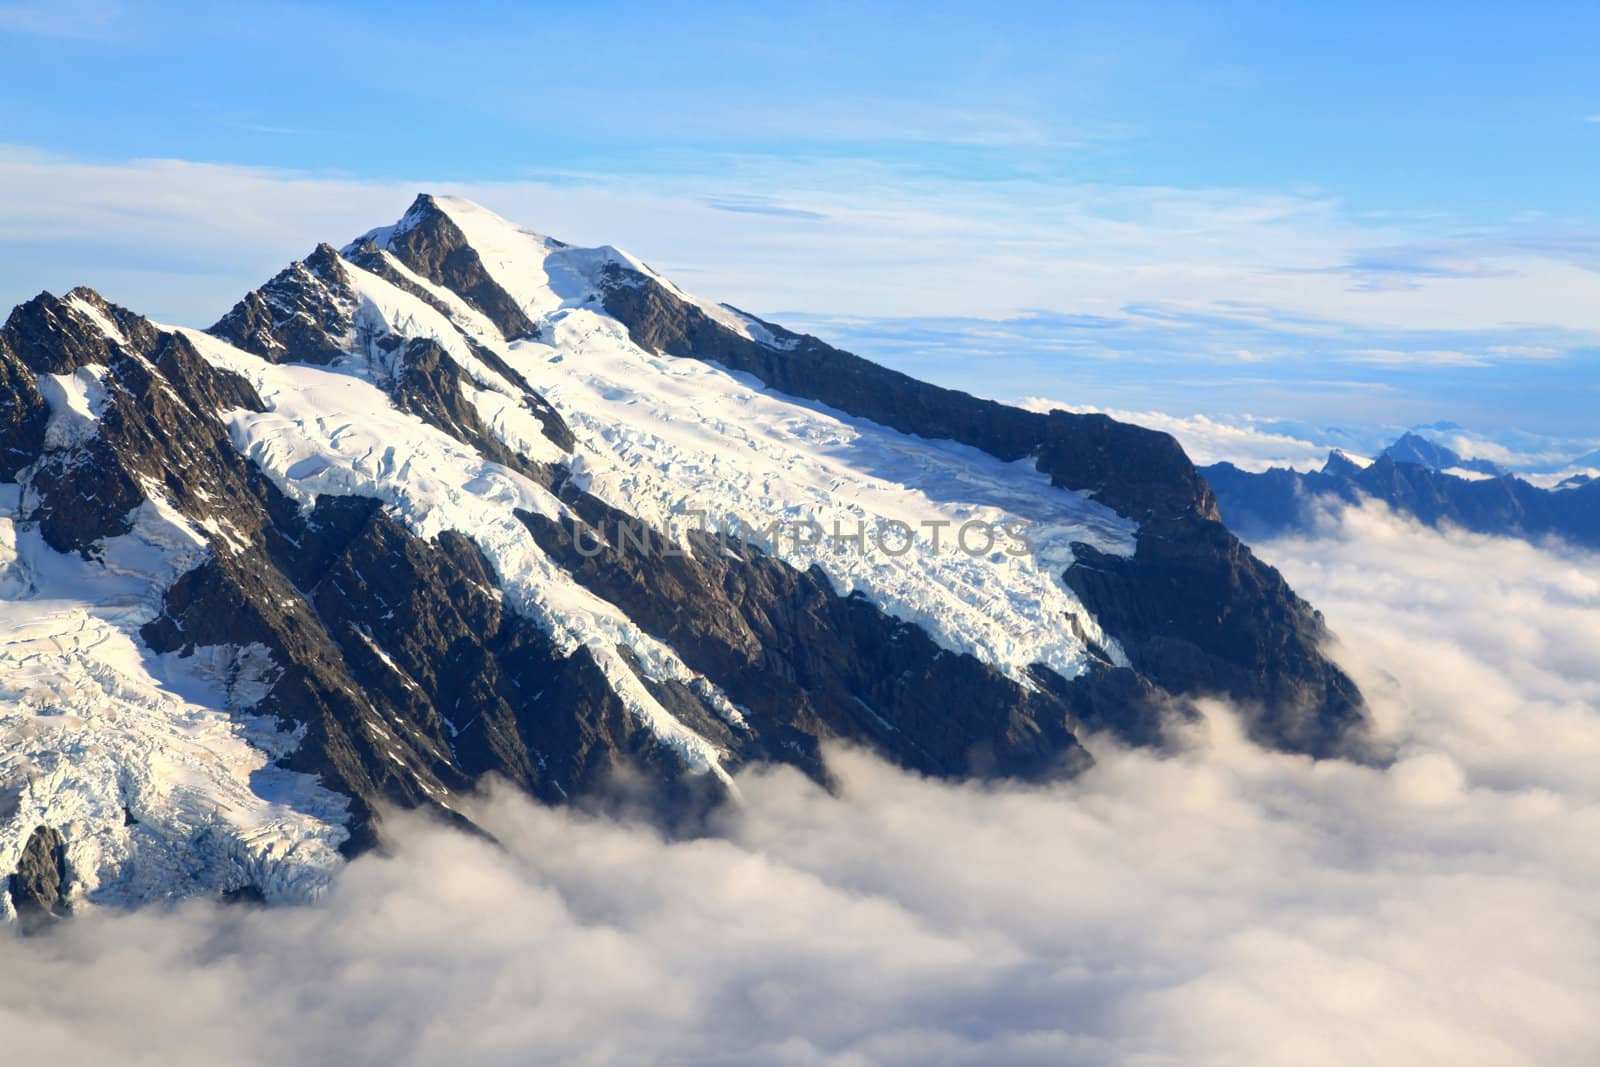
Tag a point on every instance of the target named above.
point(940, 273)
point(1391, 357)
point(757, 205)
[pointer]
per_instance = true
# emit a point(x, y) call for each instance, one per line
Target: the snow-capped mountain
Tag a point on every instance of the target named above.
point(461, 499)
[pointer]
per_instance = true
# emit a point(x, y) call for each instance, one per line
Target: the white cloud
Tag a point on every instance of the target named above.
point(1390, 357)
point(1524, 452)
point(852, 238)
point(1134, 298)
point(1221, 906)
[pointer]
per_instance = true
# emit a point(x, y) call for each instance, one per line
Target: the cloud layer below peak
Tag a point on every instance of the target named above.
point(1220, 906)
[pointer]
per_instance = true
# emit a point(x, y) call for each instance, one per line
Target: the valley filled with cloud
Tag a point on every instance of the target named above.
point(1216, 905)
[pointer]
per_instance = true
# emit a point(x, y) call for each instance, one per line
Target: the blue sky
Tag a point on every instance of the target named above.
point(1378, 212)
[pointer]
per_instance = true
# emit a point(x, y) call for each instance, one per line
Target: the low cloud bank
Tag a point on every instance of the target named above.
point(1223, 906)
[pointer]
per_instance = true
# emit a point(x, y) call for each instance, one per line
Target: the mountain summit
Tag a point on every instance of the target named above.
point(460, 499)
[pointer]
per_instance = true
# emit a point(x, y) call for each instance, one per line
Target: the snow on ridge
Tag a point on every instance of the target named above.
point(1360, 461)
point(101, 321)
point(463, 316)
point(327, 432)
point(757, 330)
point(660, 437)
point(76, 401)
point(540, 274)
point(382, 310)
point(543, 275)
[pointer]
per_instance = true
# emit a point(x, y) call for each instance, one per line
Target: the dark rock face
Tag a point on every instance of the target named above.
point(1196, 612)
point(366, 254)
point(427, 383)
point(38, 886)
point(302, 315)
point(84, 495)
point(23, 415)
point(1116, 700)
point(1138, 473)
point(148, 435)
point(550, 421)
point(50, 337)
point(1280, 499)
point(410, 677)
point(805, 664)
point(431, 245)
point(422, 628)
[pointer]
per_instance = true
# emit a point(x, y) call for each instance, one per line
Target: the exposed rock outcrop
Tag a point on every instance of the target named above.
point(38, 886)
point(302, 315)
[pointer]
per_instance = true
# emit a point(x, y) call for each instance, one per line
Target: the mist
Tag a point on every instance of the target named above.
point(1217, 905)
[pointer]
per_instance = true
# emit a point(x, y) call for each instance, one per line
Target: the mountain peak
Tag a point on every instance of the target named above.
point(366, 501)
point(1343, 463)
point(58, 334)
point(467, 215)
point(444, 240)
point(1413, 448)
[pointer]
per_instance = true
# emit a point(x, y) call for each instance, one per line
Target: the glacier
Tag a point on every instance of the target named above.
point(153, 769)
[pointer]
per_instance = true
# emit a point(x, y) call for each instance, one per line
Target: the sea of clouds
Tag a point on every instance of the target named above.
point(1223, 905)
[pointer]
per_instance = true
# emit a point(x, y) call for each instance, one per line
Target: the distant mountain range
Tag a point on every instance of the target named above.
point(1417, 477)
